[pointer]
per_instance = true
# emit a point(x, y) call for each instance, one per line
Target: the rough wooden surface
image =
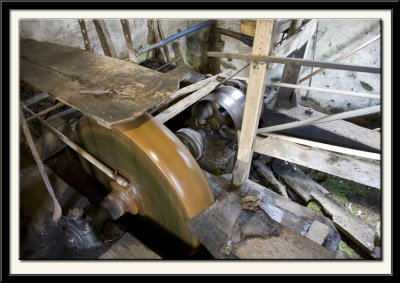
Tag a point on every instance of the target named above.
point(62, 71)
point(254, 100)
point(347, 167)
point(288, 245)
point(339, 132)
point(269, 179)
point(302, 184)
point(128, 247)
point(360, 232)
point(105, 38)
point(186, 102)
point(317, 232)
point(281, 209)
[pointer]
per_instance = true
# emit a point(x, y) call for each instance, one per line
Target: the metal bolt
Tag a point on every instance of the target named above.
point(309, 111)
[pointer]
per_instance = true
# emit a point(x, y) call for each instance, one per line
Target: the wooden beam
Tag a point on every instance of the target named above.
point(84, 34)
point(338, 165)
point(361, 233)
point(295, 61)
point(295, 41)
point(253, 103)
point(183, 91)
point(105, 38)
point(128, 39)
point(289, 97)
point(186, 102)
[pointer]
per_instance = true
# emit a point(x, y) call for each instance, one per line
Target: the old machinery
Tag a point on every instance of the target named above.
point(166, 183)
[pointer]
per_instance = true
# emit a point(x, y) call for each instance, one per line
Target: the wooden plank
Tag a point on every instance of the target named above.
point(253, 103)
point(268, 178)
point(129, 247)
point(281, 209)
point(183, 91)
point(360, 232)
point(295, 61)
point(339, 132)
point(302, 184)
point(128, 39)
point(105, 38)
point(84, 34)
point(288, 245)
point(62, 71)
point(338, 165)
point(186, 102)
point(317, 232)
point(338, 149)
point(248, 27)
point(47, 110)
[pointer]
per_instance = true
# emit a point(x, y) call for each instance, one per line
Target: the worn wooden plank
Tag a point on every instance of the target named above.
point(105, 38)
point(186, 102)
point(253, 103)
point(62, 71)
point(84, 34)
point(268, 178)
point(281, 209)
point(129, 247)
point(248, 27)
point(128, 39)
point(329, 147)
point(346, 167)
point(339, 132)
point(317, 232)
point(302, 184)
point(183, 91)
point(360, 232)
point(288, 245)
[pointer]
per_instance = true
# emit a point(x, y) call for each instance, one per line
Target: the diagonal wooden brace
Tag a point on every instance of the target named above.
point(253, 104)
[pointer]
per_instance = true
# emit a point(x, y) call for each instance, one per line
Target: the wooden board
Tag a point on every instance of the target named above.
point(302, 184)
point(360, 232)
point(105, 38)
point(248, 27)
point(253, 103)
point(186, 102)
point(346, 167)
point(62, 71)
point(129, 247)
point(280, 209)
point(288, 245)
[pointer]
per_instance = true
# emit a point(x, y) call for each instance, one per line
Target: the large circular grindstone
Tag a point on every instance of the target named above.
point(167, 182)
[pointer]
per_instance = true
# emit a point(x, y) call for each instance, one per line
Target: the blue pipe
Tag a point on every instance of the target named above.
point(176, 36)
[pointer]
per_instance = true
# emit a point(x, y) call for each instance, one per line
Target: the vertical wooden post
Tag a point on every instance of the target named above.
point(128, 39)
point(105, 39)
point(287, 97)
point(254, 100)
point(84, 34)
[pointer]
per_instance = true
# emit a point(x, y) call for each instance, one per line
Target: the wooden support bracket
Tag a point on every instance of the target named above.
point(253, 103)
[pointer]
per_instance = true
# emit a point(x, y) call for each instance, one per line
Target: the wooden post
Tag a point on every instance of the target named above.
point(289, 97)
point(254, 101)
point(105, 39)
point(128, 39)
point(84, 34)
